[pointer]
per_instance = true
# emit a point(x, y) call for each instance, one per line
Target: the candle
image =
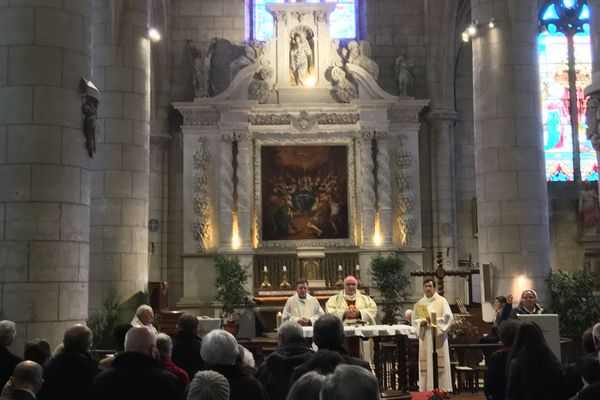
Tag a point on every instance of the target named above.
point(284, 268)
point(339, 268)
point(265, 268)
point(279, 319)
point(358, 267)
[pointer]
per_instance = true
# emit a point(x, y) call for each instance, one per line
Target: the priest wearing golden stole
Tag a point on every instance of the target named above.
point(349, 304)
point(433, 309)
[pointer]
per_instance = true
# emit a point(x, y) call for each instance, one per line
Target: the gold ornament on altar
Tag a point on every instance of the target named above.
point(284, 282)
point(265, 283)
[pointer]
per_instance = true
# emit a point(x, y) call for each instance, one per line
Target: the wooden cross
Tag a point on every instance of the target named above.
point(440, 273)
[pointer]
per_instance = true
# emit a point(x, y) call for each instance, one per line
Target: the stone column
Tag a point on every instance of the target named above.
point(443, 184)
point(512, 198)
point(593, 90)
point(226, 193)
point(384, 189)
point(119, 217)
point(45, 50)
point(367, 189)
point(244, 189)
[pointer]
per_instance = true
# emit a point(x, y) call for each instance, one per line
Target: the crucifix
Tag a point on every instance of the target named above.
point(440, 273)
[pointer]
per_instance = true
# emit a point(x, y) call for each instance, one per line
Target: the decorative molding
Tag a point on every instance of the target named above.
point(304, 119)
point(200, 117)
point(404, 202)
point(592, 116)
point(201, 227)
point(304, 122)
point(399, 114)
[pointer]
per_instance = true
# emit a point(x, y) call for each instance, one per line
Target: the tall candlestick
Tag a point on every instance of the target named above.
point(358, 267)
point(279, 319)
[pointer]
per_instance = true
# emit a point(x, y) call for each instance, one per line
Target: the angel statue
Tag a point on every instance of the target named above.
point(405, 78)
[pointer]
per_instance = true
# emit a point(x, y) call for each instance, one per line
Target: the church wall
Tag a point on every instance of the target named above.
point(175, 216)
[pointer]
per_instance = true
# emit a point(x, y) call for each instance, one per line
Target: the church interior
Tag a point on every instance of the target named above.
point(143, 142)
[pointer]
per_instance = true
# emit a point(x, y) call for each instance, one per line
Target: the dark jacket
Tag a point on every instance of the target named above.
point(186, 353)
point(315, 363)
point(69, 376)
point(276, 371)
point(242, 386)
point(495, 376)
point(134, 376)
point(591, 392)
point(8, 362)
point(18, 394)
point(520, 386)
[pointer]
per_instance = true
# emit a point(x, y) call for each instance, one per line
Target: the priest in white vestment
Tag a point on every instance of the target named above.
point(302, 307)
point(349, 304)
point(432, 303)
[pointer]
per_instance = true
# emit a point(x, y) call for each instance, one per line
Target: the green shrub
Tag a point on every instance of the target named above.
point(392, 281)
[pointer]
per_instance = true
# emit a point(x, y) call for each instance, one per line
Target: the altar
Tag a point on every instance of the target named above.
point(302, 166)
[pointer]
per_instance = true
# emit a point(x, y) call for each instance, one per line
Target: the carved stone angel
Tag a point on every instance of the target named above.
point(202, 55)
point(402, 67)
point(358, 53)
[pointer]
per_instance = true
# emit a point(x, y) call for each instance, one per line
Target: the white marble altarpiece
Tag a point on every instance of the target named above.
point(303, 123)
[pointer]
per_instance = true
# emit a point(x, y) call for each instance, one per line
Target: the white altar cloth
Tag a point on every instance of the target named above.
point(368, 331)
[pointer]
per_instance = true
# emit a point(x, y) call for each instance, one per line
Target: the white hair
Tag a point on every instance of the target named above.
point(219, 347)
point(140, 340)
point(164, 344)
point(290, 331)
point(142, 308)
point(208, 385)
point(8, 331)
point(245, 357)
point(596, 335)
point(350, 382)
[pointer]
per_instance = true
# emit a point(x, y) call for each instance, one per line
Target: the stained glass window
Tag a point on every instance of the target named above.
point(565, 59)
point(342, 19)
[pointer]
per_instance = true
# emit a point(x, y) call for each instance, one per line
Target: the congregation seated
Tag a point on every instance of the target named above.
point(119, 336)
point(495, 376)
point(25, 383)
point(69, 375)
point(573, 371)
point(350, 382)
point(38, 350)
point(187, 344)
point(135, 374)
point(8, 360)
point(328, 334)
point(534, 372)
point(308, 387)
point(208, 385)
point(220, 352)
point(276, 371)
point(590, 371)
point(164, 344)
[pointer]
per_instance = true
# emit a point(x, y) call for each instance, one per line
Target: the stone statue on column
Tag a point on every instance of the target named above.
point(403, 75)
point(202, 56)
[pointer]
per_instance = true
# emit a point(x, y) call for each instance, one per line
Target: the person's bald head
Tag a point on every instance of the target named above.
point(77, 339)
point(350, 285)
point(140, 340)
point(27, 375)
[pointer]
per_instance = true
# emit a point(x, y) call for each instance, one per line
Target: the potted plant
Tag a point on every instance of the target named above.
point(392, 281)
point(230, 281)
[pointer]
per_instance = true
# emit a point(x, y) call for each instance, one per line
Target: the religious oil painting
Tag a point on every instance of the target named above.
point(304, 192)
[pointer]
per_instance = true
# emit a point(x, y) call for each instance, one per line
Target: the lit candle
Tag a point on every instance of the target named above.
point(339, 268)
point(358, 267)
point(284, 268)
point(265, 268)
point(279, 319)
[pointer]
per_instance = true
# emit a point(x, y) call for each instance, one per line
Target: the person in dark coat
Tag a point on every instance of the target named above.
point(276, 371)
point(495, 375)
point(328, 334)
point(573, 371)
point(534, 372)
point(25, 383)
point(69, 375)
point(220, 351)
point(135, 374)
point(8, 361)
point(187, 345)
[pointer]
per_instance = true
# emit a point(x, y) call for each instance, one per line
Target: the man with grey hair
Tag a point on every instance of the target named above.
point(164, 344)
point(276, 371)
point(122, 381)
point(220, 351)
point(26, 381)
point(8, 360)
point(350, 382)
point(302, 307)
point(69, 375)
point(143, 317)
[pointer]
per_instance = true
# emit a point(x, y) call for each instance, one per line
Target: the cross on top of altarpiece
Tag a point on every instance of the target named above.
point(440, 273)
